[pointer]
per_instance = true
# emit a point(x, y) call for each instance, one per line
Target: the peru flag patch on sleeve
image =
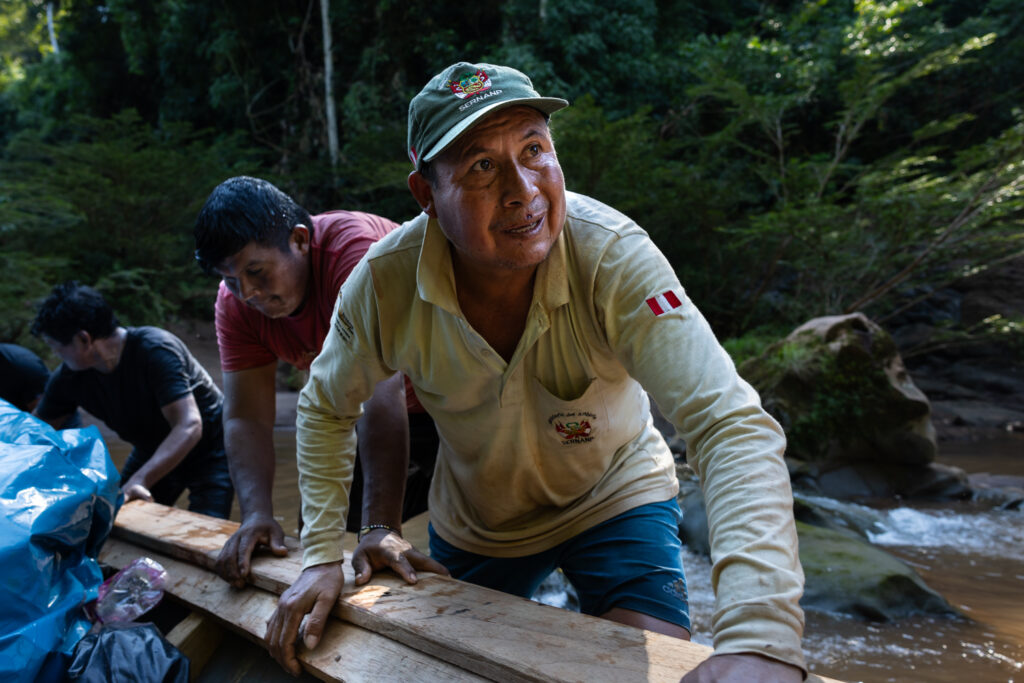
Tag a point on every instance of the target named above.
point(664, 302)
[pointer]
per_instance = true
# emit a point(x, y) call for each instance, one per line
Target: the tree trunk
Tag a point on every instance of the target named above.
point(332, 116)
point(49, 25)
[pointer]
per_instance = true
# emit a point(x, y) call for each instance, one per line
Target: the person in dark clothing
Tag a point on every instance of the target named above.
point(146, 386)
point(23, 377)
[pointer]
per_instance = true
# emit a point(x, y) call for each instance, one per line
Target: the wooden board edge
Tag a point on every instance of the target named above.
point(341, 645)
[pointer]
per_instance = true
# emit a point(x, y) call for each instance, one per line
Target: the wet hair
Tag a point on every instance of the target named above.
point(71, 308)
point(242, 210)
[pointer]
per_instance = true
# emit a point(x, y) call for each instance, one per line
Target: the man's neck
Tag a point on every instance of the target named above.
point(496, 305)
point(108, 351)
point(498, 286)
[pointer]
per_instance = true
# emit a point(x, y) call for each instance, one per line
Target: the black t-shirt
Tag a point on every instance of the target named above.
point(155, 369)
point(23, 375)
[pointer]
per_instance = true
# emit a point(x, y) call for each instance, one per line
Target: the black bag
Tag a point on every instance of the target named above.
point(127, 652)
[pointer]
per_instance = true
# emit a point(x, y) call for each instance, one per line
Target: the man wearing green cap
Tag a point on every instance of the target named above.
point(533, 323)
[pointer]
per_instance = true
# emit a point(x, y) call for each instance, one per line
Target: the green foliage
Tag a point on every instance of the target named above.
point(829, 221)
point(1003, 334)
point(113, 206)
point(561, 43)
point(752, 344)
point(25, 275)
point(791, 159)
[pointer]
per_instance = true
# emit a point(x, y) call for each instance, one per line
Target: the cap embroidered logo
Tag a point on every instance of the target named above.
point(470, 84)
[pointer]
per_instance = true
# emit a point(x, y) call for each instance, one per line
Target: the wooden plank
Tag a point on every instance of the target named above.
point(197, 637)
point(500, 636)
point(346, 652)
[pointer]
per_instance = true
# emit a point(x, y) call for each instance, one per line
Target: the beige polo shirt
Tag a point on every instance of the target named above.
point(560, 438)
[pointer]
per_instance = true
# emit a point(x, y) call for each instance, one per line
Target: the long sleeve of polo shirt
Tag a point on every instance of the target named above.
point(733, 444)
point(330, 404)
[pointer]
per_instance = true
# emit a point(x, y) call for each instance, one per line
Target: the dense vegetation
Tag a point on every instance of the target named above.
point(792, 158)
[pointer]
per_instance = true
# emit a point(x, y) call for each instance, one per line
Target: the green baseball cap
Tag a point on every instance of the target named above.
point(459, 96)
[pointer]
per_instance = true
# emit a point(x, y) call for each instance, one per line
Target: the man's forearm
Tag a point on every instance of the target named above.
point(340, 379)
point(250, 452)
point(169, 454)
point(326, 450)
point(384, 452)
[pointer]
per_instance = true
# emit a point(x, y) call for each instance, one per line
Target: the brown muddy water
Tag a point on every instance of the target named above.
point(972, 555)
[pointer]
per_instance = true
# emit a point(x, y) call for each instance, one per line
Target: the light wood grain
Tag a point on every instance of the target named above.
point(346, 652)
point(499, 636)
point(197, 637)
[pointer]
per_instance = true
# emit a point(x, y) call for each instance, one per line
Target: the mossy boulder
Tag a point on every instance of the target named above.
point(840, 390)
point(847, 575)
point(844, 573)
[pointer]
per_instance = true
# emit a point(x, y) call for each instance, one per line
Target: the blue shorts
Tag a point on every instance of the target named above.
point(633, 561)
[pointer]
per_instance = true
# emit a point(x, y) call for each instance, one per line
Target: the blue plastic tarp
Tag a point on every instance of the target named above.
point(58, 498)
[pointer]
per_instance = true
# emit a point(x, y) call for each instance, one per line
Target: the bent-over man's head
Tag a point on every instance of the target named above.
point(486, 166)
point(257, 239)
point(71, 318)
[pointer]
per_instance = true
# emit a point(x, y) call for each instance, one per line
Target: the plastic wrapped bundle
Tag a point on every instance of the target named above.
point(58, 498)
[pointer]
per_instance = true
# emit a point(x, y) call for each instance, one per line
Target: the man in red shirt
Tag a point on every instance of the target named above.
point(281, 270)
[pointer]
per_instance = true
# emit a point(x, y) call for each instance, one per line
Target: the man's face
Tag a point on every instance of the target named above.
point(499, 194)
point(272, 281)
point(75, 354)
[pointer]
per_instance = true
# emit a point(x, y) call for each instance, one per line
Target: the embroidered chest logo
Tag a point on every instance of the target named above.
point(470, 84)
point(664, 302)
point(573, 430)
point(573, 427)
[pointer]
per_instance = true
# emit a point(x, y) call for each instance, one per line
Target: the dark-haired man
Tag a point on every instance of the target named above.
point(145, 385)
point(557, 313)
point(281, 270)
point(23, 377)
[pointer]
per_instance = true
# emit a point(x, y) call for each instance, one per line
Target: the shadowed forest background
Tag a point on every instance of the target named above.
point(792, 159)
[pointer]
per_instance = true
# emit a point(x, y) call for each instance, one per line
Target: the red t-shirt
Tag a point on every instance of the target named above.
point(248, 339)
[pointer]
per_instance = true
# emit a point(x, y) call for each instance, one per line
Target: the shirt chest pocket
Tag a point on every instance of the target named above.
point(575, 440)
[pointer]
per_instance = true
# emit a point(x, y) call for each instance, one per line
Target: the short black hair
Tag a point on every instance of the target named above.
point(426, 170)
point(72, 307)
point(242, 210)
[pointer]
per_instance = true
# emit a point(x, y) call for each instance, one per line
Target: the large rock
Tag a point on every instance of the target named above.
point(871, 480)
point(847, 575)
point(840, 390)
point(844, 573)
point(833, 514)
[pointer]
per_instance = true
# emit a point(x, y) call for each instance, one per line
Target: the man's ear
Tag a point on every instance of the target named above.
point(299, 239)
point(84, 337)
point(422, 192)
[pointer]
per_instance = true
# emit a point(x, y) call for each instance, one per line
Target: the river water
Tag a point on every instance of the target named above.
point(973, 556)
